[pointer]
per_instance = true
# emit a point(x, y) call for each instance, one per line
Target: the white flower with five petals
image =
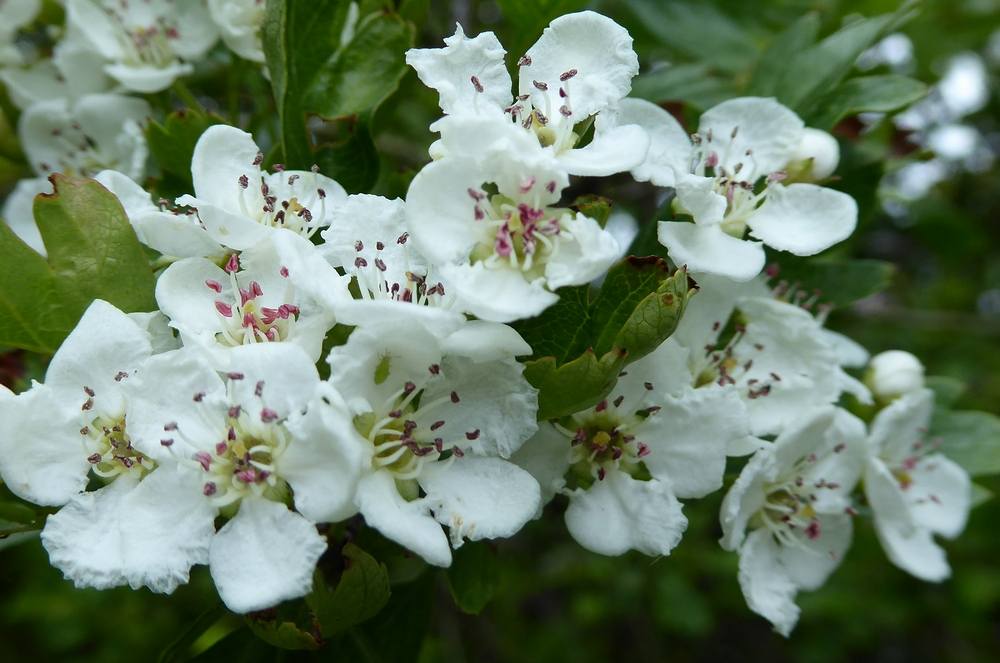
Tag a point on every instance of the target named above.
point(914, 490)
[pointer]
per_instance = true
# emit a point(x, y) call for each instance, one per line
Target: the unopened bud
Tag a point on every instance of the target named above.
point(894, 373)
point(816, 156)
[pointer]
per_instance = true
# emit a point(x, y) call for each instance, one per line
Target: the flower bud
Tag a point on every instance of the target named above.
point(894, 373)
point(816, 157)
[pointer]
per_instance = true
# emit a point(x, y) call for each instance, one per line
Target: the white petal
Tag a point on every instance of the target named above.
point(449, 70)
point(480, 135)
point(197, 31)
point(496, 401)
point(485, 341)
point(746, 497)
point(901, 426)
point(596, 47)
point(613, 150)
point(480, 498)
point(96, 25)
point(148, 79)
point(546, 457)
point(407, 523)
point(696, 195)
point(811, 562)
point(804, 218)
point(323, 462)
point(689, 438)
point(265, 555)
point(234, 230)
point(589, 255)
point(771, 131)
point(940, 495)
point(709, 249)
point(221, 155)
point(669, 152)
point(620, 514)
point(766, 585)
point(850, 354)
point(145, 535)
point(18, 211)
point(105, 344)
point(283, 373)
point(42, 459)
point(665, 369)
point(440, 213)
point(499, 295)
point(157, 326)
point(184, 297)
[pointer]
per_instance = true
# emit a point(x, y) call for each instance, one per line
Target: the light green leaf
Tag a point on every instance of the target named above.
point(575, 385)
point(784, 48)
point(473, 576)
point(93, 253)
point(970, 438)
point(836, 282)
point(980, 495)
point(362, 591)
point(867, 93)
point(946, 389)
point(172, 142)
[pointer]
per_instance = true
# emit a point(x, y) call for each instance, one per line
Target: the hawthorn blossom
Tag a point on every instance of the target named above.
point(728, 177)
point(14, 15)
point(430, 416)
point(234, 435)
point(239, 23)
point(96, 132)
point(240, 205)
point(146, 45)
point(368, 239)
point(57, 436)
point(73, 71)
point(789, 512)
point(172, 232)
point(624, 462)
point(777, 354)
point(914, 491)
point(581, 66)
point(251, 299)
point(492, 229)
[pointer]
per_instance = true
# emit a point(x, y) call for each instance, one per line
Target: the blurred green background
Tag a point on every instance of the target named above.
point(927, 184)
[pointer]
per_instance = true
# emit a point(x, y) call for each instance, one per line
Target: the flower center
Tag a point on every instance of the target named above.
point(548, 112)
point(110, 451)
point(730, 360)
point(392, 275)
point(288, 206)
point(519, 232)
point(248, 320)
point(80, 154)
point(144, 31)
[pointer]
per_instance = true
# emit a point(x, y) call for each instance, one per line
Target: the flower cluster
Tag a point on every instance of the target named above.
point(226, 426)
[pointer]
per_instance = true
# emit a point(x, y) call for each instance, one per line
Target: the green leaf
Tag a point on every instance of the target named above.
point(596, 207)
point(867, 93)
point(818, 69)
point(473, 576)
point(694, 84)
point(562, 331)
point(698, 30)
point(352, 161)
point(837, 282)
point(172, 142)
point(363, 72)
point(785, 47)
point(14, 512)
point(93, 253)
point(946, 389)
point(525, 20)
point(282, 634)
point(970, 438)
point(980, 495)
point(362, 591)
point(575, 385)
point(180, 648)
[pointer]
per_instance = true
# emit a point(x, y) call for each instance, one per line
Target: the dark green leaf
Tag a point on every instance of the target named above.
point(971, 439)
point(172, 142)
point(785, 47)
point(838, 282)
point(694, 84)
point(180, 649)
point(562, 331)
point(596, 207)
point(867, 93)
point(362, 591)
point(353, 161)
point(281, 634)
point(17, 513)
point(980, 495)
point(473, 576)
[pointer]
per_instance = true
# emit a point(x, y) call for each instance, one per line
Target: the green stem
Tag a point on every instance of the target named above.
point(4, 533)
point(186, 96)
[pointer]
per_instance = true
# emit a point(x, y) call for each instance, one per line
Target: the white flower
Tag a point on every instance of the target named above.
point(252, 299)
point(147, 45)
point(239, 23)
point(816, 156)
point(581, 66)
point(233, 435)
point(367, 238)
point(431, 414)
point(18, 210)
point(914, 491)
point(894, 373)
point(654, 439)
point(776, 354)
point(56, 435)
point(173, 233)
point(14, 16)
point(728, 180)
point(240, 205)
point(73, 71)
point(794, 498)
point(504, 253)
